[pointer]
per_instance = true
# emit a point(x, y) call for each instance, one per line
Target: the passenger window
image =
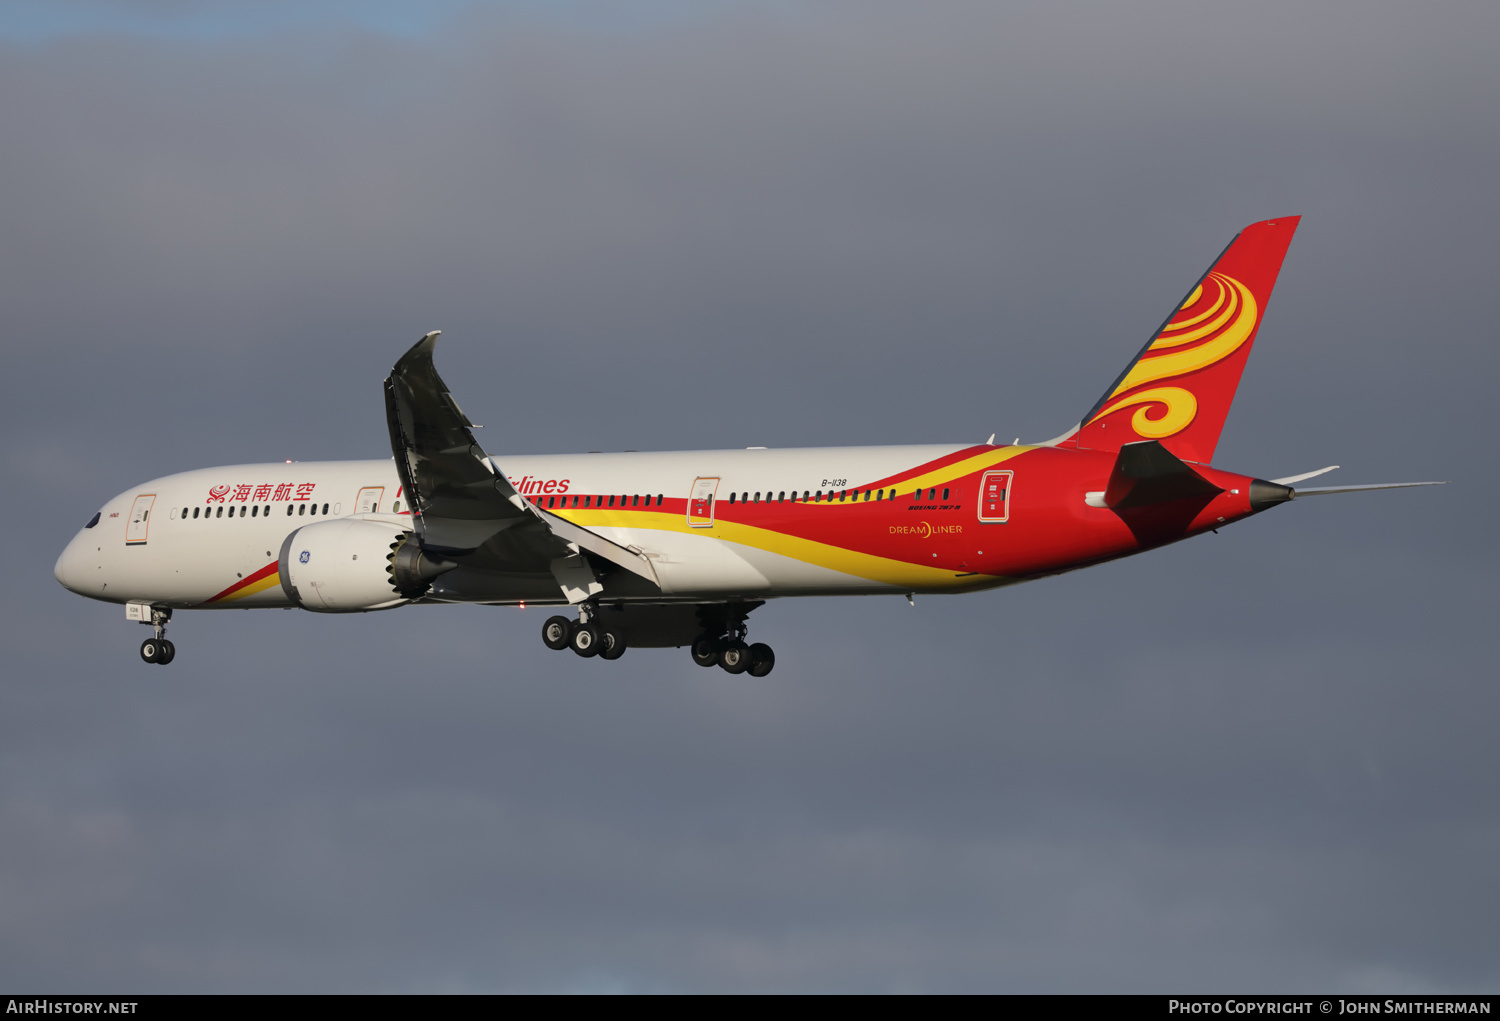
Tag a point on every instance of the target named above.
point(587, 500)
point(288, 510)
point(396, 507)
point(195, 515)
point(945, 494)
point(254, 511)
point(932, 493)
point(757, 496)
point(731, 499)
point(611, 501)
point(658, 499)
point(635, 501)
point(301, 509)
point(551, 501)
point(867, 496)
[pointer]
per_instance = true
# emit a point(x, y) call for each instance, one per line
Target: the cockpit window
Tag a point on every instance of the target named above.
point(93, 520)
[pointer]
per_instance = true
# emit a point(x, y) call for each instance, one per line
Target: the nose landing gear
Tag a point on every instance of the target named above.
point(158, 650)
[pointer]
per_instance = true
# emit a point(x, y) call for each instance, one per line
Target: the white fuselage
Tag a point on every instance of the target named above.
point(194, 538)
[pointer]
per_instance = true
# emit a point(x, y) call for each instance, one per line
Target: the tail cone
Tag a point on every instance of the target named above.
point(1265, 494)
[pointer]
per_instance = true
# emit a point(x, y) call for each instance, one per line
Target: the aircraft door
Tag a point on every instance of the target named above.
point(994, 496)
point(368, 501)
point(140, 520)
point(701, 503)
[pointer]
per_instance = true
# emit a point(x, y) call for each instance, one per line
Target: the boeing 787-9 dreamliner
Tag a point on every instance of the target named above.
point(674, 549)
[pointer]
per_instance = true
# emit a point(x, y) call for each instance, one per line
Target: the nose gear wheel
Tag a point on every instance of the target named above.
point(158, 650)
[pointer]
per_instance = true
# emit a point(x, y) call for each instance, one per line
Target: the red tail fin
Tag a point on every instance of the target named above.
point(1179, 388)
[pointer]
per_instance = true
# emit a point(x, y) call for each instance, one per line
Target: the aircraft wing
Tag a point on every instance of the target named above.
point(463, 506)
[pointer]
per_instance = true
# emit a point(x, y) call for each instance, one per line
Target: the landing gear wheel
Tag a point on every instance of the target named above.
point(151, 650)
point(613, 645)
point(734, 657)
point(586, 639)
point(762, 659)
point(167, 653)
point(705, 650)
point(555, 633)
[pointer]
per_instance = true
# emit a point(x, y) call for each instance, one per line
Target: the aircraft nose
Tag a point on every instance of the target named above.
point(68, 570)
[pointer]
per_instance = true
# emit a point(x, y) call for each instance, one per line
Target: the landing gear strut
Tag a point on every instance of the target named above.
point(729, 650)
point(158, 650)
point(585, 636)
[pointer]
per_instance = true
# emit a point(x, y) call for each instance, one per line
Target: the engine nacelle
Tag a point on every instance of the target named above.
point(355, 564)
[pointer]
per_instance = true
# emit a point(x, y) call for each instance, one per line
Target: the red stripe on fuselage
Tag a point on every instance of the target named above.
point(264, 572)
point(930, 466)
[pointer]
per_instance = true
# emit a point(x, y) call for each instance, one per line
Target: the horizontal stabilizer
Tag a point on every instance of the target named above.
point(1297, 494)
point(1146, 474)
point(1304, 476)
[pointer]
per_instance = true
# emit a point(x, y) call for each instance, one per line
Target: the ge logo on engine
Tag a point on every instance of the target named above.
point(304, 557)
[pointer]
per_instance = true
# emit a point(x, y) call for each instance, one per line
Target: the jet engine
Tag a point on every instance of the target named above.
point(353, 564)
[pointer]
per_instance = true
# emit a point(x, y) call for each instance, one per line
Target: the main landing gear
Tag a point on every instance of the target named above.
point(584, 636)
point(158, 650)
point(731, 653)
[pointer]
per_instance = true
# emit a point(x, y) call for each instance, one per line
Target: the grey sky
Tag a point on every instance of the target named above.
point(1262, 759)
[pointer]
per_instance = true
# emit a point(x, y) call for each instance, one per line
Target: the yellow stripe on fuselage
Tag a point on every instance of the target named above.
point(252, 588)
point(809, 551)
point(968, 466)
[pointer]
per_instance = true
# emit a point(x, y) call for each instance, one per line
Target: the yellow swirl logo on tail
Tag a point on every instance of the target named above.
point(1227, 319)
point(1181, 408)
